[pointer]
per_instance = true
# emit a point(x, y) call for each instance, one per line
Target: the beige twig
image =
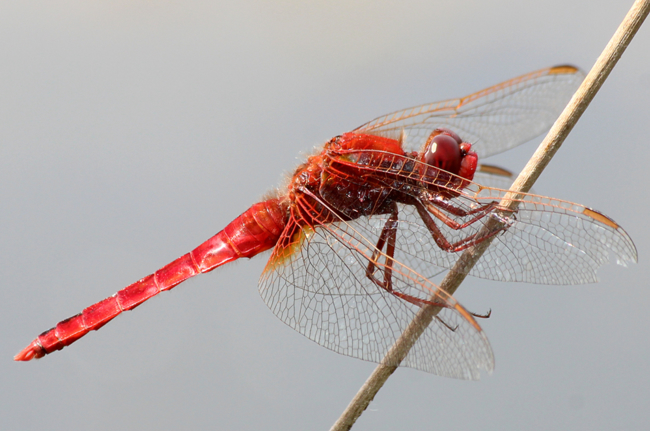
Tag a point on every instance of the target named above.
point(555, 137)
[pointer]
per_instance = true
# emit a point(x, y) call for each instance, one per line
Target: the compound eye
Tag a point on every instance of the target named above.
point(450, 133)
point(443, 152)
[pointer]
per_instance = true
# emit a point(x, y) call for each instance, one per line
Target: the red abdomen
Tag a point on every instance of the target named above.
point(253, 232)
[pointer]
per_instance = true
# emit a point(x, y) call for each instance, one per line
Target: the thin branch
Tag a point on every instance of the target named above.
point(549, 146)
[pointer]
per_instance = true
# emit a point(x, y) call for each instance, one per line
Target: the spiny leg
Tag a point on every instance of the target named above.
point(440, 239)
point(388, 238)
point(482, 316)
point(433, 205)
point(442, 242)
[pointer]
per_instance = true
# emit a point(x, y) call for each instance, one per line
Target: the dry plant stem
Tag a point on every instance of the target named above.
point(549, 146)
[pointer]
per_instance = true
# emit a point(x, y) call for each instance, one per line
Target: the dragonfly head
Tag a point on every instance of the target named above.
point(445, 150)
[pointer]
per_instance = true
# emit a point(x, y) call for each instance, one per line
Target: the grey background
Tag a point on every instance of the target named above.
point(131, 131)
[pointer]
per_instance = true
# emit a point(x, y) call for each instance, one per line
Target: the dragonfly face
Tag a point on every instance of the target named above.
point(446, 150)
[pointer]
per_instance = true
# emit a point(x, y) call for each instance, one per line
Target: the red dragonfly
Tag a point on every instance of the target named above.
point(364, 224)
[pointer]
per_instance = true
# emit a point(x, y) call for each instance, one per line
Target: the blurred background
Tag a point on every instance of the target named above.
point(131, 131)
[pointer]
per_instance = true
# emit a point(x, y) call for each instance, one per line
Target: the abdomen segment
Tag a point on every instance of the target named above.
point(253, 232)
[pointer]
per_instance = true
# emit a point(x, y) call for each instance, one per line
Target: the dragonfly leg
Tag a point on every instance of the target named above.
point(482, 316)
point(453, 329)
point(480, 212)
point(387, 238)
point(442, 242)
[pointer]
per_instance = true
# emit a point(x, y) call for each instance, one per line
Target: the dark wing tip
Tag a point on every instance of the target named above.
point(563, 69)
point(596, 215)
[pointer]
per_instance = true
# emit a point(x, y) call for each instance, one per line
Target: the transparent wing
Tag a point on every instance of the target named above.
point(493, 120)
point(316, 283)
point(487, 175)
point(546, 240)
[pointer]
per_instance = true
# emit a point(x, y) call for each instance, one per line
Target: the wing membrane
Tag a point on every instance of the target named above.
point(547, 241)
point(493, 120)
point(321, 290)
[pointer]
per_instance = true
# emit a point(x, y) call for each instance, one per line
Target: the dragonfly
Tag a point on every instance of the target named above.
point(366, 222)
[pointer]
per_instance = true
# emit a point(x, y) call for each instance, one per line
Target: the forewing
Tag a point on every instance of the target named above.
point(414, 242)
point(493, 120)
point(316, 283)
point(549, 241)
point(546, 240)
